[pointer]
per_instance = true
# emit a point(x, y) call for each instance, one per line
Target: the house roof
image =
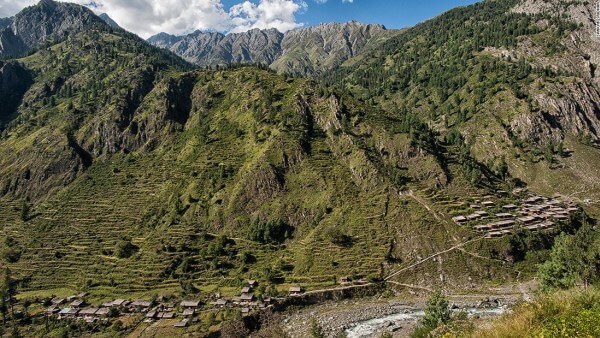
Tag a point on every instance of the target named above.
point(102, 312)
point(76, 303)
point(119, 302)
point(141, 303)
point(246, 296)
point(295, 289)
point(89, 311)
point(190, 303)
point(65, 311)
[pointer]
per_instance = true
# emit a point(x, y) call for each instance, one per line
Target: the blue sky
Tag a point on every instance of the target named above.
point(391, 13)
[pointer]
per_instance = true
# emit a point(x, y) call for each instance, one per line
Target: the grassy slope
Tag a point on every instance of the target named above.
point(248, 145)
point(453, 73)
point(573, 313)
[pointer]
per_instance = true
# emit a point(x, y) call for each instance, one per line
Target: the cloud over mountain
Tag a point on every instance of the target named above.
point(148, 17)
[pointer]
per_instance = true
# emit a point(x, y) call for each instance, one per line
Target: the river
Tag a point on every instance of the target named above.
point(374, 327)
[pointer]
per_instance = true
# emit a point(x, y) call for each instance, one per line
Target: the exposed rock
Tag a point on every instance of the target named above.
point(14, 82)
point(109, 20)
point(306, 51)
point(35, 25)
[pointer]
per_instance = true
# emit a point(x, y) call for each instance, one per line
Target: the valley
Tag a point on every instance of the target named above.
point(328, 181)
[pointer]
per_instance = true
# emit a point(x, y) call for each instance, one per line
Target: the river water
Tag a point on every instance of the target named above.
point(375, 326)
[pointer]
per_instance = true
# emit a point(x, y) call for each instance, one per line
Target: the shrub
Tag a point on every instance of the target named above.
point(125, 249)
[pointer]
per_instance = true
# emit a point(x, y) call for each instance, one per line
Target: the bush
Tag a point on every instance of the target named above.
point(125, 249)
point(573, 260)
point(437, 313)
point(338, 237)
point(270, 231)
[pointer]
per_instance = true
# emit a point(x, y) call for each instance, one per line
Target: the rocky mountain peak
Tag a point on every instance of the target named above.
point(34, 25)
point(305, 51)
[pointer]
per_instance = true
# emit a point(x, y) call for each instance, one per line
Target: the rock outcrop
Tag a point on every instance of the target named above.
point(35, 25)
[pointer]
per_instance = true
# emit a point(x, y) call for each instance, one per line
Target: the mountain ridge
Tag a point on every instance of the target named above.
point(304, 51)
point(35, 25)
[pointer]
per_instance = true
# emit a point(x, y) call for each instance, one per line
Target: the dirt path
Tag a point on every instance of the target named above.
point(431, 257)
point(419, 200)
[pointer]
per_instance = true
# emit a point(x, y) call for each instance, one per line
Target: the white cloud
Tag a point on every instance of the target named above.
point(320, 2)
point(278, 14)
point(148, 17)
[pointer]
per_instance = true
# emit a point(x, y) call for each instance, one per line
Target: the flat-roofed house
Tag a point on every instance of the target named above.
point(473, 217)
point(488, 204)
point(120, 303)
point(76, 304)
point(183, 323)
point(102, 312)
point(52, 310)
point(494, 234)
point(246, 297)
point(506, 223)
point(295, 290)
point(190, 304)
point(221, 302)
point(459, 219)
point(527, 219)
point(88, 313)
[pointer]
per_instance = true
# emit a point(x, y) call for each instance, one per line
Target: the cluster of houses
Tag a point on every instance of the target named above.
point(536, 213)
point(75, 307)
point(247, 301)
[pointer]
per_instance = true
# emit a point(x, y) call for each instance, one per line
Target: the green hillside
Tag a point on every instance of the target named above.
point(125, 172)
point(310, 184)
point(504, 75)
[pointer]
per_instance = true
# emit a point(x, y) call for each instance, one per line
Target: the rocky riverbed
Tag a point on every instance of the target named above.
point(369, 319)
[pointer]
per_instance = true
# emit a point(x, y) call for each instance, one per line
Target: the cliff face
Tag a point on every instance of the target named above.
point(14, 82)
point(37, 24)
point(565, 107)
point(307, 51)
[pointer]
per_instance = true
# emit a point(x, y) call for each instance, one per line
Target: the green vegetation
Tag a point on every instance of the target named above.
point(437, 313)
point(125, 173)
point(572, 313)
point(573, 260)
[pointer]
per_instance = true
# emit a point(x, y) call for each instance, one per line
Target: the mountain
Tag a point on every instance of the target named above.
point(206, 49)
point(109, 20)
point(319, 49)
point(113, 141)
point(5, 22)
point(515, 81)
point(47, 20)
point(306, 51)
point(125, 172)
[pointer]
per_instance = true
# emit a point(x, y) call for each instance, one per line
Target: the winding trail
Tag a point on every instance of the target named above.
point(432, 257)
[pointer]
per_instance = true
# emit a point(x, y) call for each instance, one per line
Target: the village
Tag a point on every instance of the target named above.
point(533, 212)
point(75, 307)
